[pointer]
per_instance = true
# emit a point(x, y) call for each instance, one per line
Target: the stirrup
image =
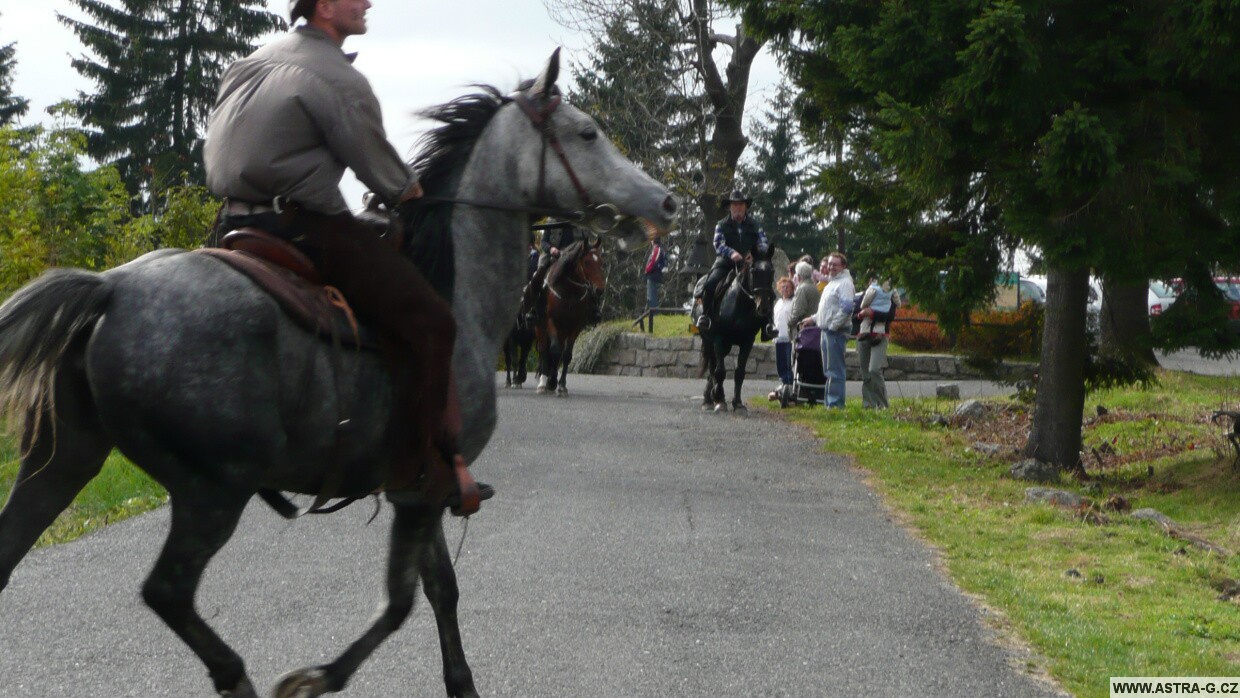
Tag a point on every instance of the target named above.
point(703, 322)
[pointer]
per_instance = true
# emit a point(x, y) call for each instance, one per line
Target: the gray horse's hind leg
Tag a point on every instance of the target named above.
point(60, 458)
point(202, 522)
point(58, 465)
point(417, 550)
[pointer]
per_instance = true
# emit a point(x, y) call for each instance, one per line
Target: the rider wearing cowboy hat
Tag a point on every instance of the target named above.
point(555, 238)
point(288, 120)
point(736, 235)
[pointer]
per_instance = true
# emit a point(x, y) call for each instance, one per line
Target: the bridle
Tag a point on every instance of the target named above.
point(601, 218)
point(587, 289)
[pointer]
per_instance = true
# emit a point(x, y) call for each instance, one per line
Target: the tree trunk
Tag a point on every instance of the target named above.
point(1125, 323)
point(1056, 433)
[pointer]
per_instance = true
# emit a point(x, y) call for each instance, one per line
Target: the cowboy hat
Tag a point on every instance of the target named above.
point(736, 195)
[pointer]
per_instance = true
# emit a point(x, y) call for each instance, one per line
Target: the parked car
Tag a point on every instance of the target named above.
point(1230, 286)
point(1161, 296)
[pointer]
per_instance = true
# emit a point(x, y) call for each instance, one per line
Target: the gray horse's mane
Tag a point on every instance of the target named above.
point(441, 156)
point(443, 151)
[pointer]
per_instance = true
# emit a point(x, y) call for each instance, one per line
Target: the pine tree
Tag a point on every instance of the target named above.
point(778, 177)
point(11, 106)
point(633, 85)
point(156, 67)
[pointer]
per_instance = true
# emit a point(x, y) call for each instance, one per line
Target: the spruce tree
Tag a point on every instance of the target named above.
point(11, 106)
point(779, 179)
point(156, 66)
point(631, 82)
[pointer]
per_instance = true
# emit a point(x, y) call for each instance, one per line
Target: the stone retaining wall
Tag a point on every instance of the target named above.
point(678, 357)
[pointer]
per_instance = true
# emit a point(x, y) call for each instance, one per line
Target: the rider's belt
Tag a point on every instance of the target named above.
point(250, 208)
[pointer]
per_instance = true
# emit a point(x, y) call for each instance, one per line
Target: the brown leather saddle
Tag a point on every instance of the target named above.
point(287, 275)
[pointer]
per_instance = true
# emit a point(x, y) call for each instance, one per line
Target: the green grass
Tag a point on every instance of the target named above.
point(664, 326)
point(1144, 603)
point(118, 492)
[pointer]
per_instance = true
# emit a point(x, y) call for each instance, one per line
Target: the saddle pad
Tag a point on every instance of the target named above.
point(319, 309)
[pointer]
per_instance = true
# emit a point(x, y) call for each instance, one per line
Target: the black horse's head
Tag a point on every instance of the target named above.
point(761, 283)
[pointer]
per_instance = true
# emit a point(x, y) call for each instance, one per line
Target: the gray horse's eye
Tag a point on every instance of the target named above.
point(589, 133)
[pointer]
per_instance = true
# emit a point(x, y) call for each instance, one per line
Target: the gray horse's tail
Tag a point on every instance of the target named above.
point(37, 325)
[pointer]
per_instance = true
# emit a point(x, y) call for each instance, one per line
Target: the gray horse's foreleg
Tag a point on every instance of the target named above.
point(416, 548)
point(439, 585)
point(202, 522)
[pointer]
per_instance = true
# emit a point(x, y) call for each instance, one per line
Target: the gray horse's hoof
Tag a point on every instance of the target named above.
point(243, 689)
point(721, 407)
point(302, 683)
point(561, 391)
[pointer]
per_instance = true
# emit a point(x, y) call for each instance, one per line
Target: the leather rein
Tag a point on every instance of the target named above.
point(601, 218)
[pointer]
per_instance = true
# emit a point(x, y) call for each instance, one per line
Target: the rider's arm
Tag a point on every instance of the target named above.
point(356, 136)
point(721, 247)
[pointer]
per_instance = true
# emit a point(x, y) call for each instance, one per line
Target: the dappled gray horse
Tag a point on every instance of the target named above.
point(202, 381)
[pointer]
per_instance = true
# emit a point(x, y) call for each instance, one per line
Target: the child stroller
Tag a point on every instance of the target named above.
point(809, 383)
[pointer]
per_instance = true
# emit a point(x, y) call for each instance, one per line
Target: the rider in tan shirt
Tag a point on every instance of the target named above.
point(288, 120)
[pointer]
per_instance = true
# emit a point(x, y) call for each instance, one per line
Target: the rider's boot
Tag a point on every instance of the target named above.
point(466, 494)
point(703, 321)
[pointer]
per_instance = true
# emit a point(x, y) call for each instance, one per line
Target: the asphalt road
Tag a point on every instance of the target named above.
point(637, 547)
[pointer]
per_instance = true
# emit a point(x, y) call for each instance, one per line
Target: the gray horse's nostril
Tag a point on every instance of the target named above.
point(669, 204)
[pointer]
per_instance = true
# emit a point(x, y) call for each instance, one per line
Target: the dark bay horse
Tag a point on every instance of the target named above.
point(517, 347)
point(199, 378)
point(746, 307)
point(575, 285)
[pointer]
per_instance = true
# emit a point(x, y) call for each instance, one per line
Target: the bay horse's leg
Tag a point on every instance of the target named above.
point(509, 356)
point(53, 470)
point(203, 519)
point(523, 357)
point(554, 357)
point(544, 358)
point(738, 376)
point(565, 359)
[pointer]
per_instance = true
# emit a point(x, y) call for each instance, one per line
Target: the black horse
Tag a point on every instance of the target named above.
point(746, 307)
point(517, 348)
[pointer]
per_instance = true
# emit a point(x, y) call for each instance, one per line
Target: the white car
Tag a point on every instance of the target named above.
point(1161, 296)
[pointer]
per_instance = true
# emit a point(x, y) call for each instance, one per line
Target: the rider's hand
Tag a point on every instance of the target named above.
point(736, 257)
point(555, 252)
point(413, 192)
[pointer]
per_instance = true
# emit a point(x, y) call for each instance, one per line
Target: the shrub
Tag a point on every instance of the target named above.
point(1003, 334)
point(918, 330)
point(990, 335)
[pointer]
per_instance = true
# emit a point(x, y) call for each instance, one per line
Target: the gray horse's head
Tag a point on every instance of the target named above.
point(574, 165)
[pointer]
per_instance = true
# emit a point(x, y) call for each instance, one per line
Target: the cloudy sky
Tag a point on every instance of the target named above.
point(417, 53)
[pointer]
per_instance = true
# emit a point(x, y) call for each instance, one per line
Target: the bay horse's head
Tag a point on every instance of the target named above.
point(579, 276)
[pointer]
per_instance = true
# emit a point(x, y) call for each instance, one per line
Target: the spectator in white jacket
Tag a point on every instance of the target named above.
point(834, 316)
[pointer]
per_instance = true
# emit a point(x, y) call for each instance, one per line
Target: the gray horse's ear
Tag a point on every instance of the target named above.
point(549, 75)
